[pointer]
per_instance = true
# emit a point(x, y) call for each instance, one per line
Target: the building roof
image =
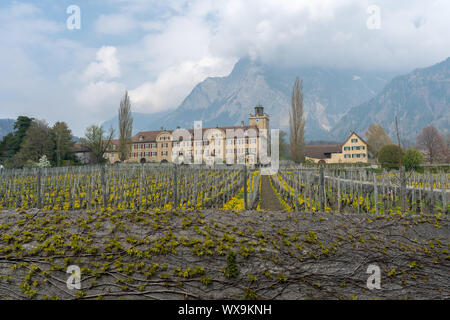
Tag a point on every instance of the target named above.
point(150, 136)
point(320, 151)
point(354, 133)
point(147, 136)
point(77, 147)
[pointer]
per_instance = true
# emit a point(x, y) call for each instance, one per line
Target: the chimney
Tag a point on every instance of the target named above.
point(242, 123)
point(178, 127)
point(162, 128)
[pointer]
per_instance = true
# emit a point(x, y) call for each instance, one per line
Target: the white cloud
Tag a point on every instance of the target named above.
point(106, 66)
point(115, 24)
point(100, 96)
point(175, 83)
point(164, 48)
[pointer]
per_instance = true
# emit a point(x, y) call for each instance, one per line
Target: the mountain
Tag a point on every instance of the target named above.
point(419, 99)
point(6, 126)
point(328, 95)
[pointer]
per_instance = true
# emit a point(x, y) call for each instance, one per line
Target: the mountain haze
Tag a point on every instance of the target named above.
point(6, 126)
point(419, 99)
point(328, 95)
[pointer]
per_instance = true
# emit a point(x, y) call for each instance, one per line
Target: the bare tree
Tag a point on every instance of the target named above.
point(430, 141)
point(377, 138)
point(297, 124)
point(97, 143)
point(125, 128)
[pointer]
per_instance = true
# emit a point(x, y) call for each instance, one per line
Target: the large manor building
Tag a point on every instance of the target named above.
point(232, 144)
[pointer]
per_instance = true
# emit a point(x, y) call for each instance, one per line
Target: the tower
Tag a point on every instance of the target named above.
point(259, 119)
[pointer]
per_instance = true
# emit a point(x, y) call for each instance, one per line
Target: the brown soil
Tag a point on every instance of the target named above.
point(269, 200)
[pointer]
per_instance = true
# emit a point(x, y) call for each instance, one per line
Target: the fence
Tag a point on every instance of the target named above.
point(362, 190)
point(303, 188)
point(125, 187)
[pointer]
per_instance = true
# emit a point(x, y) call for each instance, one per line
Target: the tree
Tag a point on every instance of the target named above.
point(21, 127)
point(376, 139)
point(125, 128)
point(97, 143)
point(36, 143)
point(297, 124)
point(390, 156)
point(284, 146)
point(43, 162)
point(430, 141)
point(11, 143)
point(62, 137)
point(412, 159)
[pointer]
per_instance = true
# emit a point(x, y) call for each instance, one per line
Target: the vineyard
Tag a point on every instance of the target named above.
point(165, 187)
point(187, 232)
point(127, 187)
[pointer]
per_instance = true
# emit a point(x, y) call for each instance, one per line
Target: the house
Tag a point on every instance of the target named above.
point(82, 153)
point(353, 150)
point(230, 144)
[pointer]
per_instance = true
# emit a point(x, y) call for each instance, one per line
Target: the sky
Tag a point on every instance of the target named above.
point(55, 69)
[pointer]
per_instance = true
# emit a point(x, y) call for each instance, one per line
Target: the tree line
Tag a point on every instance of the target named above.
point(33, 143)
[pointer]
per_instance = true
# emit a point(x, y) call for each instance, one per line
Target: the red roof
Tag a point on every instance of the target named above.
point(150, 136)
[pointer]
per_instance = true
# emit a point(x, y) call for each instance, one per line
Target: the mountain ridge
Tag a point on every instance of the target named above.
point(329, 94)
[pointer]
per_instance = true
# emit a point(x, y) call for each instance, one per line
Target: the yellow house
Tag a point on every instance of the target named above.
point(232, 144)
point(353, 150)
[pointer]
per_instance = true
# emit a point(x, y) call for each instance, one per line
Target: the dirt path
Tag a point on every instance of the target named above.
point(269, 200)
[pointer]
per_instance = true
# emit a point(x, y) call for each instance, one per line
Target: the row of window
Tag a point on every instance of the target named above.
point(148, 154)
point(354, 148)
point(217, 151)
point(355, 155)
point(189, 143)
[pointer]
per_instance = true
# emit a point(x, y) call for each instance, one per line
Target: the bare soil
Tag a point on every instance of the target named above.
point(183, 255)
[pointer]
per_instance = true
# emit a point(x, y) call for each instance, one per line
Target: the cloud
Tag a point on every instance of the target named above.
point(175, 83)
point(106, 66)
point(159, 50)
point(101, 95)
point(115, 24)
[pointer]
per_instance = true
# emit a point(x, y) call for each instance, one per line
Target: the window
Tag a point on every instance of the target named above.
point(198, 152)
point(253, 150)
point(253, 141)
point(229, 151)
point(346, 148)
point(175, 144)
point(164, 153)
point(354, 140)
point(363, 155)
point(165, 145)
